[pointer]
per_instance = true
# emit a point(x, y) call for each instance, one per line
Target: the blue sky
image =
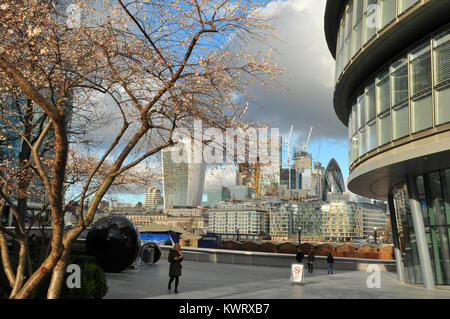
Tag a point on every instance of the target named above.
point(303, 97)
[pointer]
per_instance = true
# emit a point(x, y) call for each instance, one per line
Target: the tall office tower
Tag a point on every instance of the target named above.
point(302, 160)
point(295, 178)
point(333, 181)
point(306, 177)
point(217, 194)
point(317, 176)
point(182, 182)
point(270, 172)
point(152, 197)
point(392, 90)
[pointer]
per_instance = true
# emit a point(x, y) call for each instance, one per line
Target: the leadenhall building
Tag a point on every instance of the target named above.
point(392, 91)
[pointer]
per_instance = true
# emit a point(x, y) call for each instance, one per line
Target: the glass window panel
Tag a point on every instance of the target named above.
point(403, 5)
point(357, 25)
point(421, 115)
point(355, 120)
point(399, 80)
point(370, 102)
point(384, 128)
point(442, 78)
point(371, 135)
point(400, 121)
point(383, 97)
point(420, 84)
point(362, 142)
point(355, 145)
point(387, 11)
point(350, 128)
point(361, 111)
point(370, 20)
point(348, 33)
point(420, 71)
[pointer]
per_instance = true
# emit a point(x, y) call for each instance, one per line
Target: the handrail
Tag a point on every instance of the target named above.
point(283, 255)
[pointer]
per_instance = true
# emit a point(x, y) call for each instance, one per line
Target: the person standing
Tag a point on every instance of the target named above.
point(310, 262)
point(330, 261)
point(175, 258)
point(299, 256)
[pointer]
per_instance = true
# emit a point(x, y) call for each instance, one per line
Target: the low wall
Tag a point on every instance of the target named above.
point(274, 259)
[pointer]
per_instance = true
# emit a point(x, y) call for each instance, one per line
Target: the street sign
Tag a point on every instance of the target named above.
point(297, 275)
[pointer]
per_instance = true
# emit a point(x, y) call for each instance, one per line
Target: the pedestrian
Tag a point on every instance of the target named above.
point(175, 258)
point(299, 256)
point(310, 262)
point(330, 261)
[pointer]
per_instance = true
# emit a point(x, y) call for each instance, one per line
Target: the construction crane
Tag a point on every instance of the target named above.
point(305, 144)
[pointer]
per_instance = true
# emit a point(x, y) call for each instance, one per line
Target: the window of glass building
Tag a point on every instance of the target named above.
point(400, 106)
point(407, 237)
point(383, 96)
point(420, 86)
point(357, 25)
point(384, 128)
point(387, 12)
point(370, 20)
point(442, 78)
point(437, 226)
point(348, 33)
point(340, 49)
point(404, 5)
point(360, 109)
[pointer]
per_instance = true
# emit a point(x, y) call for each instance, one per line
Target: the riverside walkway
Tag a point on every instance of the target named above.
point(204, 280)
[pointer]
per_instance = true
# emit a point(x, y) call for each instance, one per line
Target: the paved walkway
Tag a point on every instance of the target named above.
point(210, 280)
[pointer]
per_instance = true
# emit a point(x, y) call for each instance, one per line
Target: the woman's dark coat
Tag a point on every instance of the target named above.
point(175, 265)
point(330, 259)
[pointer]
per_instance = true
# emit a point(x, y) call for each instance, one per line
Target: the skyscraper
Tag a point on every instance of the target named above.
point(333, 181)
point(182, 182)
point(152, 197)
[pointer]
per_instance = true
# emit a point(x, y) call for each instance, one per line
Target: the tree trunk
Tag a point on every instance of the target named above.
point(20, 273)
point(54, 290)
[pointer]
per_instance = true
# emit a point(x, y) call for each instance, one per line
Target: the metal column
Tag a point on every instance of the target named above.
point(397, 252)
point(419, 230)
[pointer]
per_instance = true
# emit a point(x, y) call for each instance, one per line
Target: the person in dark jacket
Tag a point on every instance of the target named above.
point(310, 262)
point(299, 256)
point(175, 258)
point(330, 261)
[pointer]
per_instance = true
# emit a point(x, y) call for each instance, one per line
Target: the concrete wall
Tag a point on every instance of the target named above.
point(274, 259)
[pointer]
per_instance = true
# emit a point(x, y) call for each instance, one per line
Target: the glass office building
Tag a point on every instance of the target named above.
point(392, 91)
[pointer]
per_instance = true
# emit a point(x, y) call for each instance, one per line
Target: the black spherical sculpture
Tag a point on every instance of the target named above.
point(114, 242)
point(146, 253)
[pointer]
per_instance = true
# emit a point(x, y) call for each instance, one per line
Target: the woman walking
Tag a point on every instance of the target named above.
point(175, 259)
point(330, 261)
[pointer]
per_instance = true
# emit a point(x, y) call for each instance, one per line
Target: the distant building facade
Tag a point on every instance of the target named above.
point(238, 221)
point(182, 182)
point(217, 194)
point(152, 198)
point(342, 221)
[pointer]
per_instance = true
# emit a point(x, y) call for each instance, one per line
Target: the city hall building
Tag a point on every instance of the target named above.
point(392, 91)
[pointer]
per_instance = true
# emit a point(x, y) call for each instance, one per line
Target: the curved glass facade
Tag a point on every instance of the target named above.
point(434, 197)
point(361, 21)
point(409, 96)
point(333, 179)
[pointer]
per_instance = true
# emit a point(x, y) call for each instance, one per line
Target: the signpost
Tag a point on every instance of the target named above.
point(297, 275)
